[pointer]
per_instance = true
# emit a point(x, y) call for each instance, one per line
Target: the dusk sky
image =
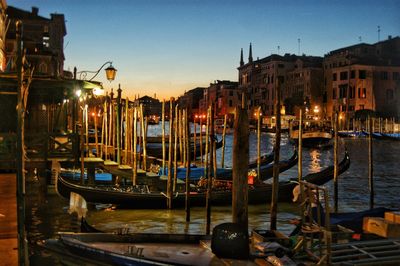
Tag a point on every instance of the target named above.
point(166, 47)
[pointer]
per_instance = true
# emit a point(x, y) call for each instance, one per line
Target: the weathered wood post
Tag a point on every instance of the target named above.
point(20, 161)
point(163, 135)
point(210, 127)
point(275, 185)
point(223, 143)
point(143, 127)
point(187, 184)
point(258, 141)
point(96, 135)
point(336, 163)
point(134, 176)
point(207, 141)
point(126, 130)
point(175, 145)
point(86, 120)
point(370, 168)
point(201, 140)
point(194, 139)
point(300, 147)
point(240, 160)
point(169, 182)
point(118, 124)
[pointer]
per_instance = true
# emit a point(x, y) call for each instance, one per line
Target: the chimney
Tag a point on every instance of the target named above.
point(390, 37)
point(35, 11)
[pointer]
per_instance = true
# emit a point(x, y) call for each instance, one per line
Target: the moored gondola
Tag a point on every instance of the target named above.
point(151, 196)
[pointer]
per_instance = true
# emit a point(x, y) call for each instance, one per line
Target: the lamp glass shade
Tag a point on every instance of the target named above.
point(110, 73)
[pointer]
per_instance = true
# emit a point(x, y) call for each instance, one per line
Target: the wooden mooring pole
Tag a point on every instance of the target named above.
point(240, 159)
point(187, 184)
point(169, 182)
point(370, 167)
point(163, 136)
point(275, 184)
point(23, 258)
point(300, 148)
point(134, 176)
point(209, 153)
point(258, 141)
point(336, 163)
point(223, 143)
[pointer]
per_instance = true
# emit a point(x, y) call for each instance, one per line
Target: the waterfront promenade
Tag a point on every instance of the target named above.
point(8, 220)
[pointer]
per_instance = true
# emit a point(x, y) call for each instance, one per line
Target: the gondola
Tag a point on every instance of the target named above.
point(226, 173)
point(228, 245)
point(149, 196)
point(155, 149)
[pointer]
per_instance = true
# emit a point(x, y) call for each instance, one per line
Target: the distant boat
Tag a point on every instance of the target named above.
point(316, 134)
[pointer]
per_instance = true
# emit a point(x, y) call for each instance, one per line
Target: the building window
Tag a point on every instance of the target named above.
point(230, 103)
point(351, 108)
point(343, 75)
point(46, 41)
point(352, 92)
point(334, 93)
point(384, 75)
point(353, 74)
point(362, 74)
point(334, 76)
point(362, 93)
point(389, 95)
point(342, 91)
point(361, 107)
point(396, 75)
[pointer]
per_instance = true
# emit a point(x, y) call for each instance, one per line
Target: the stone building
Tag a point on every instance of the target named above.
point(223, 95)
point(3, 28)
point(363, 76)
point(151, 106)
point(191, 101)
point(43, 40)
point(300, 81)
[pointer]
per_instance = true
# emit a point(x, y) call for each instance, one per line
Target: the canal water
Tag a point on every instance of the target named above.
point(47, 212)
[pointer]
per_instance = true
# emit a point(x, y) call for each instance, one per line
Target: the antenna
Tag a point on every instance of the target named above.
point(359, 39)
point(298, 41)
point(278, 49)
point(379, 33)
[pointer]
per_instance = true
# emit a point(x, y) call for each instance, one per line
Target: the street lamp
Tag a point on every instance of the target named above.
point(110, 72)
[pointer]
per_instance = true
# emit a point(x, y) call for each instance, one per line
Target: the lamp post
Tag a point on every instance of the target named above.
point(110, 72)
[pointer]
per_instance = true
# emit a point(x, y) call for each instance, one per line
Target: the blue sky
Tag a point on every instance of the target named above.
point(165, 47)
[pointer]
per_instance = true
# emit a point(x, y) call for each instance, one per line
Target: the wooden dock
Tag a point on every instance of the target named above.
point(8, 220)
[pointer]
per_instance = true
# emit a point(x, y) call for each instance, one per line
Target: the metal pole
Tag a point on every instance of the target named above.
point(258, 141)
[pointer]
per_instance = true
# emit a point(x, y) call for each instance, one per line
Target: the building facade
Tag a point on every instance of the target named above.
point(363, 77)
point(191, 101)
point(43, 40)
point(300, 81)
point(3, 29)
point(223, 95)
